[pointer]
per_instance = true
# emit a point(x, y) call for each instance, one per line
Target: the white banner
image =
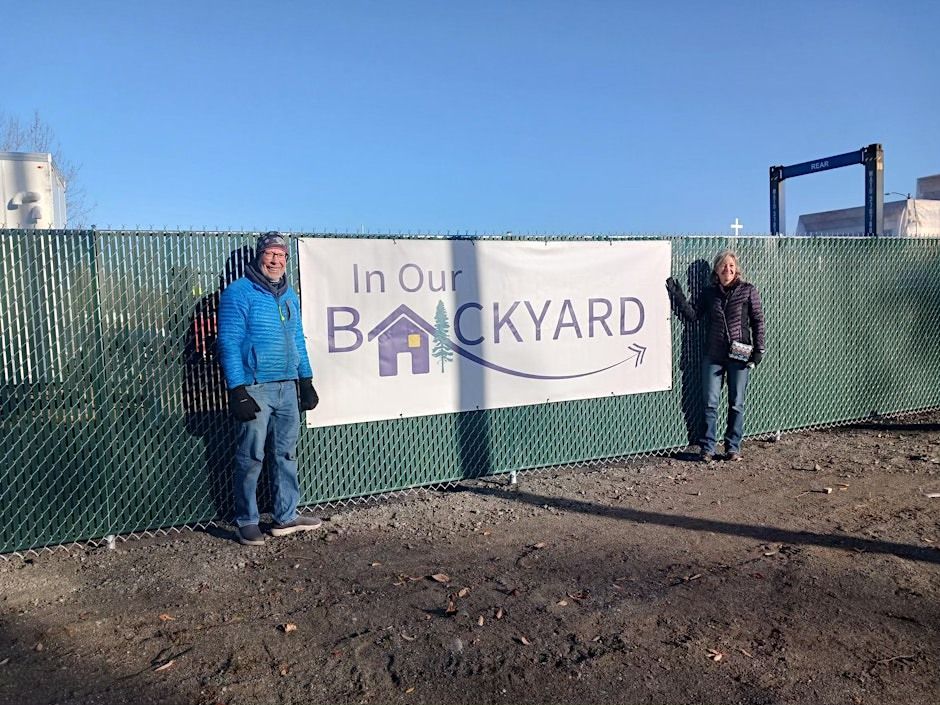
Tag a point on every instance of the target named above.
point(417, 327)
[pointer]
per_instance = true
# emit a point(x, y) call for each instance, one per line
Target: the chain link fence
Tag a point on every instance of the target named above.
point(113, 416)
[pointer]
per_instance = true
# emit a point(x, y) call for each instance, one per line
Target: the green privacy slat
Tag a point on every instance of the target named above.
point(112, 404)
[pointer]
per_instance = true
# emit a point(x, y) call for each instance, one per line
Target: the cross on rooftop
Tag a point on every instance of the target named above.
point(736, 226)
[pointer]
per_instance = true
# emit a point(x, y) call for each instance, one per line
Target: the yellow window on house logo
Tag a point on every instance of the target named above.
point(414, 340)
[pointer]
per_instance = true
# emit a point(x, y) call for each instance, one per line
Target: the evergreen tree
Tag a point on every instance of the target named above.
point(441, 349)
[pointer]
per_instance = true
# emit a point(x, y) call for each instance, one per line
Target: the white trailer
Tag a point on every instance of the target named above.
point(32, 191)
point(912, 217)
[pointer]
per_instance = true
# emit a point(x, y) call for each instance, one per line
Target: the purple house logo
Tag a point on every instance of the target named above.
point(403, 331)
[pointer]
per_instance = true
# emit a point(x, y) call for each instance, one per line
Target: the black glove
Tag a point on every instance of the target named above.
point(757, 356)
point(308, 395)
point(243, 406)
point(675, 291)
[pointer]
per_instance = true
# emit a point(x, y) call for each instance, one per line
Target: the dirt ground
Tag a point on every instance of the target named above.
point(809, 573)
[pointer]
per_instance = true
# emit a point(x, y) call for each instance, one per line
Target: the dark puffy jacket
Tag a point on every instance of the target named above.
point(735, 312)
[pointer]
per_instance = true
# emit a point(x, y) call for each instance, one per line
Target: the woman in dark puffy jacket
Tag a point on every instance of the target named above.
point(735, 344)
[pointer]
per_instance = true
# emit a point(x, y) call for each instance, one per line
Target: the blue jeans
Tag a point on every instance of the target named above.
point(712, 375)
point(279, 420)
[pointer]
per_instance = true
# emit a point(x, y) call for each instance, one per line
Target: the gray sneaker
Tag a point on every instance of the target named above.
point(250, 535)
point(298, 523)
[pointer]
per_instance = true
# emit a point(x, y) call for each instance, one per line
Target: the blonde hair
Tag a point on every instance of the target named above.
point(721, 257)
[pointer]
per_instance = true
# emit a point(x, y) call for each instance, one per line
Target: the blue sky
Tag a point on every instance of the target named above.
point(543, 117)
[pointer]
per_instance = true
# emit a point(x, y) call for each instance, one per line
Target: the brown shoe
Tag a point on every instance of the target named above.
point(735, 457)
point(299, 523)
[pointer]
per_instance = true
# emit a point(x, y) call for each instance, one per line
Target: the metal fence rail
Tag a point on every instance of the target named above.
point(113, 409)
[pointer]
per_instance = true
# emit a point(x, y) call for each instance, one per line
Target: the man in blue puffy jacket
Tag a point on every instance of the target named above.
point(264, 358)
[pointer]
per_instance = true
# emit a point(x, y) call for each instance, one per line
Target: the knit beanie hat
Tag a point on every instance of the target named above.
point(271, 240)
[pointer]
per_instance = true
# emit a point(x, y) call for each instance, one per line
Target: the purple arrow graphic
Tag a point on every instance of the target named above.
point(640, 353)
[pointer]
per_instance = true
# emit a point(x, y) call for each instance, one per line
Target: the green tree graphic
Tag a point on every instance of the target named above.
point(441, 349)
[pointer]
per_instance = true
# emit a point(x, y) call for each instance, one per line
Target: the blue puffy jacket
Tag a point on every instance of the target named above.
point(260, 336)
